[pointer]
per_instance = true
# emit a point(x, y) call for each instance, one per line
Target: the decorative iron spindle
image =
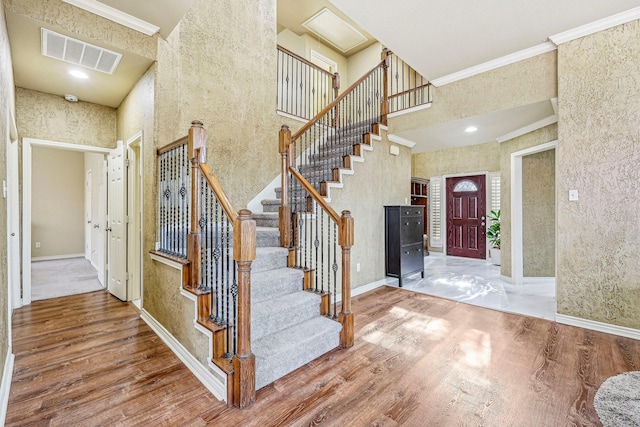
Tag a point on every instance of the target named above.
point(303, 88)
point(173, 199)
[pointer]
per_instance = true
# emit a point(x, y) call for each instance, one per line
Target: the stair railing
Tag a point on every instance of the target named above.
point(220, 247)
point(313, 230)
point(406, 87)
point(304, 88)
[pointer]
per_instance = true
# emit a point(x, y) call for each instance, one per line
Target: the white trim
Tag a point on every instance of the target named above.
point(593, 325)
point(323, 60)
point(596, 26)
point(400, 140)
point(115, 15)
point(53, 257)
point(517, 239)
point(5, 386)
point(495, 63)
point(371, 286)
point(554, 104)
point(291, 116)
point(409, 110)
point(27, 155)
point(167, 261)
point(215, 382)
point(506, 279)
point(528, 128)
point(537, 280)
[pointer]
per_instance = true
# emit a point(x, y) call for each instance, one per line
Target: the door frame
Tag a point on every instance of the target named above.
point(135, 202)
point(517, 239)
point(13, 223)
point(443, 204)
point(87, 214)
point(27, 158)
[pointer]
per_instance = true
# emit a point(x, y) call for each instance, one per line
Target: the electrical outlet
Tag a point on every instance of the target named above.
point(38, 245)
point(358, 267)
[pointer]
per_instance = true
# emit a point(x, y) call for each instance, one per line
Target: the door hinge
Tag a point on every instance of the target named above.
point(126, 219)
point(126, 163)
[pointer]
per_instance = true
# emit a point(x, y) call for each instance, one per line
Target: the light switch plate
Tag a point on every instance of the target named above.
point(573, 195)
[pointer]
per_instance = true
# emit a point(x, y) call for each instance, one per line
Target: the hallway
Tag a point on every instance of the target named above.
point(478, 282)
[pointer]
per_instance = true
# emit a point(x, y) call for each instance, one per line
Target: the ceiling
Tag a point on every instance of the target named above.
point(441, 39)
point(437, 38)
point(37, 72)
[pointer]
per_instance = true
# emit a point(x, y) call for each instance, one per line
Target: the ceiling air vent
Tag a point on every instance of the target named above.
point(77, 52)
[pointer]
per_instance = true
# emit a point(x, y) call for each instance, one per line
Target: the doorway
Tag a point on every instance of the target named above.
point(132, 202)
point(466, 206)
point(517, 215)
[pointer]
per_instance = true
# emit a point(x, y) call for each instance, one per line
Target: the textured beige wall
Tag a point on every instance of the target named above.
point(531, 139)
point(6, 95)
point(362, 62)
point(65, 17)
point(598, 155)
point(539, 214)
point(57, 202)
point(473, 158)
point(49, 117)
point(381, 180)
point(522, 83)
point(205, 71)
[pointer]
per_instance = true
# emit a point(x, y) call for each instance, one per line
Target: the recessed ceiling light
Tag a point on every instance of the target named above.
point(79, 74)
point(471, 129)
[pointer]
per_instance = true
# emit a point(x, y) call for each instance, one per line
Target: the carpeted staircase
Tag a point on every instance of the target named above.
point(287, 330)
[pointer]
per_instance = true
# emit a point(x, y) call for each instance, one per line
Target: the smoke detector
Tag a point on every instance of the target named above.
point(71, 98)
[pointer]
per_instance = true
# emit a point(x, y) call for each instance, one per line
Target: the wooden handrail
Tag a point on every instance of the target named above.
point(177, 143)
point(410, 90)
point(335, 102)
point(305, 61)
point(316, 196)
point(219, 192)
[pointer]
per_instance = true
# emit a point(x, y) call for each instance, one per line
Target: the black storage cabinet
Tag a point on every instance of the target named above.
point(404, 250)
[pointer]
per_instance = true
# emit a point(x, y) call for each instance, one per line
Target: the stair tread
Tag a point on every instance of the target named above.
point(271, 201)
point(267, 230)
point(265, 215)
point(268, 250)
point(284, 340)
point(285, 302)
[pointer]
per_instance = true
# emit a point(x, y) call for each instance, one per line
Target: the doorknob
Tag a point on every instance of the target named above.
point(482, 224)
point(482, 217)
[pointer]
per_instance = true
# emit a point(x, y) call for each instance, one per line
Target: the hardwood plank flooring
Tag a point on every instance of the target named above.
point(417, 361)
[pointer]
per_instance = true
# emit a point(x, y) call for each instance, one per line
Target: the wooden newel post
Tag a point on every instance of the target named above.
point(197, 153)
point(284, 211)
point(345, 240)
point(244, 362)
point(384, 108)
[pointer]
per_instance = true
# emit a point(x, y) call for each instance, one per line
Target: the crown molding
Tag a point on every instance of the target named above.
point(115, 15)
point(400, 140)
point(596, 26)
point(495, 63)
point(529, 128)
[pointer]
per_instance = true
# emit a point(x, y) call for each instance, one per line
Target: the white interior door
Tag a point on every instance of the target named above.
point(99, 226)
point(117, 227)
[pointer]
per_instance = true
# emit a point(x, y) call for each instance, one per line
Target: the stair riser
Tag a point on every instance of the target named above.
point(270, 369)
point(268, 262)
point(276, 318)
point(267, 222)
point(265, 286)
point(265, 240)
point(271, 207)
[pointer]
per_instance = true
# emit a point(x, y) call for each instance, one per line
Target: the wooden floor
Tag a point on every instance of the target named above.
point(417, 361)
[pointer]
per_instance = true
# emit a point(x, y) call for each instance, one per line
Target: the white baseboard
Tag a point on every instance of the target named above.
point(215, 382)
point(598, 326)
point(534, 280)
point(5, 386)
point(52, 257)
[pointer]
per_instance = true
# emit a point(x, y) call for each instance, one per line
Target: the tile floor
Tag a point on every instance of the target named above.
point(478, 282)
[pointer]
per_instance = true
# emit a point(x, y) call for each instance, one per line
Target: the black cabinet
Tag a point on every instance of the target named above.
point(404, 253)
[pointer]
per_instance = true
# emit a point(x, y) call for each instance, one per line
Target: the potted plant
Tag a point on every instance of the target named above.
point(493, 234)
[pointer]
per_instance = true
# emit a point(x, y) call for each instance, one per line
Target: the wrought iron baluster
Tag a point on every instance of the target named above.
point(335, 270)
point(227, 295)
point(317, 246)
